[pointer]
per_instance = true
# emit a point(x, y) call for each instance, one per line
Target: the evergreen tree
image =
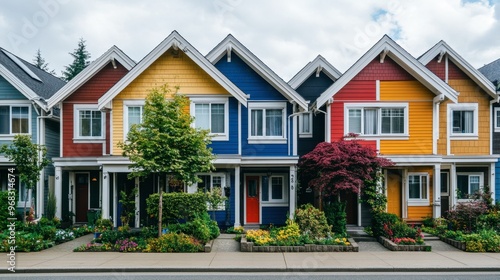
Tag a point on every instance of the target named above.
point(81, 60)
point(40, 63)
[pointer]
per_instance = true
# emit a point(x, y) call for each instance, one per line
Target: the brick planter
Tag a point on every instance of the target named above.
point(395, 247)
point(462, 245)
point(246, 246)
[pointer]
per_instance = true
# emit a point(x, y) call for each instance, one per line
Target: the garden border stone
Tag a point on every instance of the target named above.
point(387, 243)
point(246, 246)
point(461, 245)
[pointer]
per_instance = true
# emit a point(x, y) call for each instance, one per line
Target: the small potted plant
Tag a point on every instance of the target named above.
point(101, 226)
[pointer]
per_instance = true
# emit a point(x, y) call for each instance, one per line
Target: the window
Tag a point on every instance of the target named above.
point(306, 124)
point(464, 119)
point(208, 183)
point(386, 120)
point(133, 111)
point(14, 119)
point(211, 114)
point(468, 184)
point(418, 189)
point(275, 189)
point(267, 122)
point(497, 119)
point(89, 123)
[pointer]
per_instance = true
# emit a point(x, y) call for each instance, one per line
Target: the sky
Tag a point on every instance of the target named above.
point(285, 35)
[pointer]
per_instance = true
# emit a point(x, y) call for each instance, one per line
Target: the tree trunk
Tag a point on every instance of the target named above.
point(25, 202)
point(160, 208)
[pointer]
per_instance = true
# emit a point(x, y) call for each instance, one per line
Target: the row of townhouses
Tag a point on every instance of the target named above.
point(436, 117)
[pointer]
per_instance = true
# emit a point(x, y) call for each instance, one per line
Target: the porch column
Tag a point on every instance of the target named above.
point(293, 190)
point(105, 195)
point(40, 194)
point(58, 191)
point(436, 208)
point(237, 196)
point(492, 181)
point(453, 186)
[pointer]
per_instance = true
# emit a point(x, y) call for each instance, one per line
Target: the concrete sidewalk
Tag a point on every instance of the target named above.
point(225, 258)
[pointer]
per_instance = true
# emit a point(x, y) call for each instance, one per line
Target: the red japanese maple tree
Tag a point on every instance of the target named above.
point(342, 165)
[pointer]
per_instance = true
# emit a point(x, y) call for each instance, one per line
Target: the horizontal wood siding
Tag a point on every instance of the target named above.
point(230, 146)
point(496, 135)
point(178, 71)
point(420, 117)
point(274, 215)
point(52, 138)
point(470, 93)
point(71, 149)
point(389, 71)
point(417, 213)
point(8, 92)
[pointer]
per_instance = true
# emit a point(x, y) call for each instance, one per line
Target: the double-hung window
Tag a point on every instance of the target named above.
point(89, 123)
point(133, 111)
point(468, 184)
point(267, 122)
point(210, 182)
point(497, 119)
point(418, 189)
point(211, 114)
point(275, 189)
point(14, 119)
point(305, 124)
point(463, 119)
point(382, 119)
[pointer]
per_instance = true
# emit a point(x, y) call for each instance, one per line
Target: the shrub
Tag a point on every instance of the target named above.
point(260, 237)
point(381, 218)
point(173, 242)
point(312, 222)
point(336, 217)
point(483, 241)
point(177, 206)
point(4, 209)
point(62, 235)
point(125, 245)
point(464, 216)
point(489, 221)
point(288, 235)
point(201, 228)
point(51, 206)
point(237, 230)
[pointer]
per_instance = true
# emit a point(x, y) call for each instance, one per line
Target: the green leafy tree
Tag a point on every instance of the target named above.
point(165, 143)
point(40, 63)
point(80, 60)
point(30, 159)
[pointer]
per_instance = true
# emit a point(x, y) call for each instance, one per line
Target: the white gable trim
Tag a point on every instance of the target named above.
point(114, 53)
point(442, 48)
point(21, 87)
point(176, 41)
point(401, 57)
point(258, 66)
point(311, 68)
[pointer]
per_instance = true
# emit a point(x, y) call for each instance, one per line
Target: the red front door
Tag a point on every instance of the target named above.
point(82, 197)
point(252, 200)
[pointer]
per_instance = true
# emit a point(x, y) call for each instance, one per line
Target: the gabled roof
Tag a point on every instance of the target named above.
point(388, 47)
point(492, 71)
point(174, 40)
point(113, 54)
point(231, 44)
point(319, 64)
point(32, 82)
point(441, 48)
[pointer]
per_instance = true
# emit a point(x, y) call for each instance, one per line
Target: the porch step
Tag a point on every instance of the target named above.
point(358, 234)
point(429, 237)
point(251, 226)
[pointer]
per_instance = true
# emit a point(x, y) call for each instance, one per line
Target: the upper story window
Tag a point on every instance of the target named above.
point(14, 119)
point(469, 184)
point(267, 122)
point(211, 114)
point(132, 115)
point(306, 124)
point(89, 123)
point(381, 119)
point(463, 119)
point(418, 189)
point(497, 119)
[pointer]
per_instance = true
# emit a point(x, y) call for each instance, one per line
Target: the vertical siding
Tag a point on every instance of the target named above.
point(470, 93)
point(420, 112)
point(180, 71)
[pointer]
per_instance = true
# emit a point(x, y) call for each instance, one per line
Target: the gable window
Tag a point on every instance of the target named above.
point(468, 184)
point(267, 122)
point(14, 119)
point(383, 120)
point(418, 189)
point(305, 124)
point(89, 123)
point(274, 189)
point(211, 114)
point(463, 119)
point(132, 114)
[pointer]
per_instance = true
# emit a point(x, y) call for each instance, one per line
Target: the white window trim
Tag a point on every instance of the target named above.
point(217, 100)
point(194, 187)
point(497, 125)
point(481, 184)
point(126, 104)
point(276, 202)
point(76, 124)
point(419, 201)
point(378, 106)
point(462, 107)
point(303, 134)
point(267, 139)
point(16, 103)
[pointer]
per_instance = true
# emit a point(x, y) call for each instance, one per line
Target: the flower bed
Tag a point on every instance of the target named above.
point(387, 243)
point(352, 246)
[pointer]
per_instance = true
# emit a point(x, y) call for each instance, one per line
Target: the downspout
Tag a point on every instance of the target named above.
point(435, 122)
point(288, 122)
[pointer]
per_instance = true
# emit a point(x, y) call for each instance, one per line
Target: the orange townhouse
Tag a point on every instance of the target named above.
point(392, 101)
